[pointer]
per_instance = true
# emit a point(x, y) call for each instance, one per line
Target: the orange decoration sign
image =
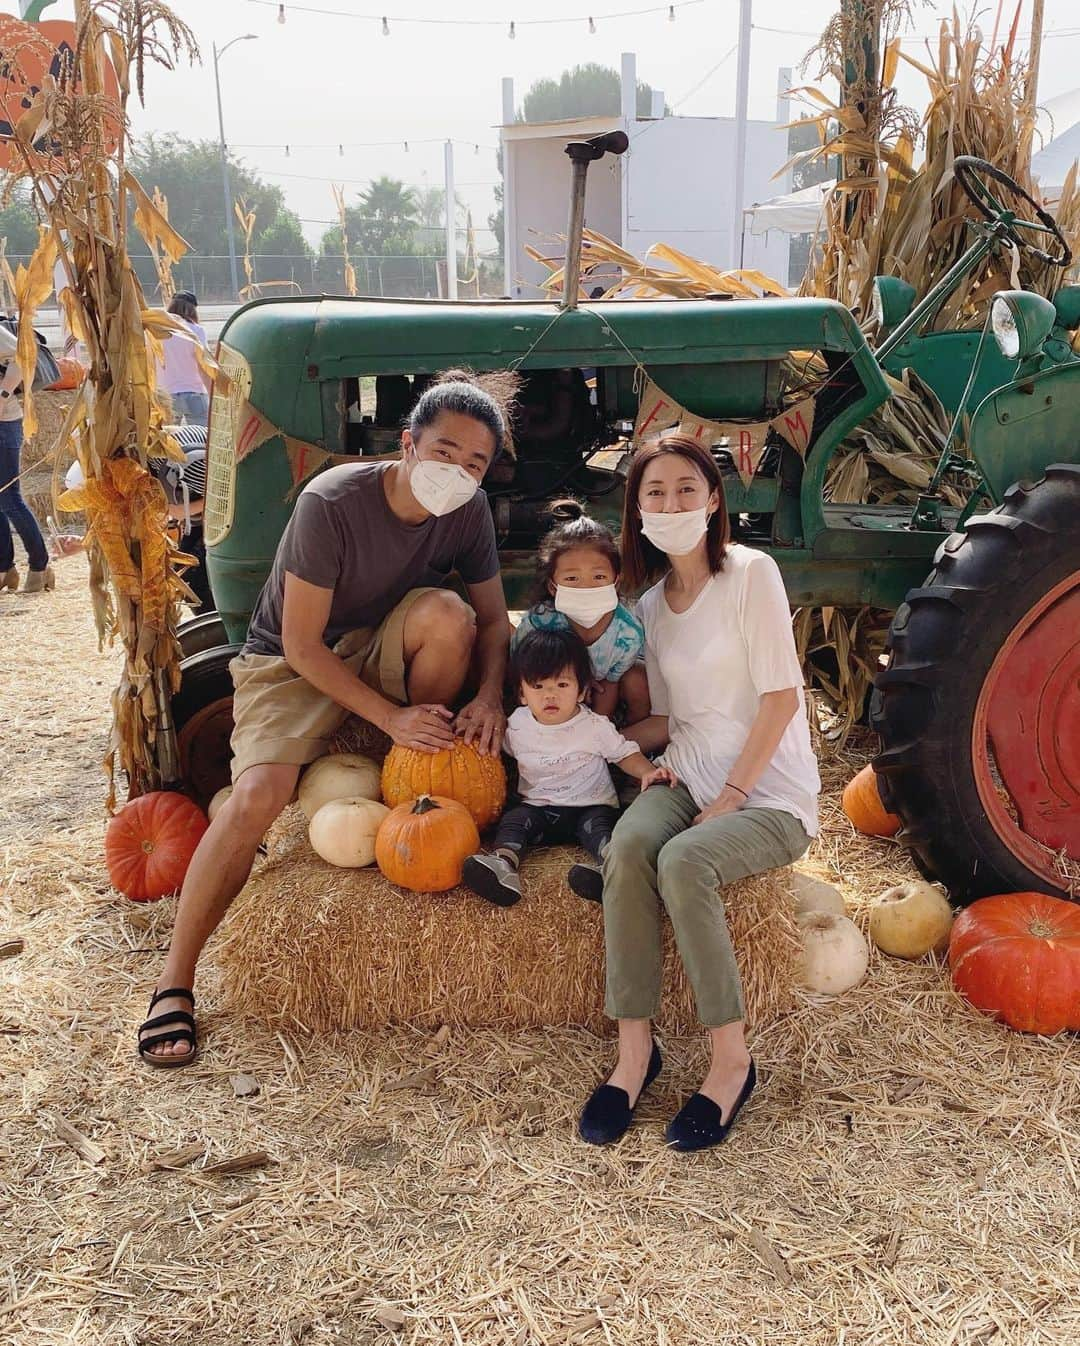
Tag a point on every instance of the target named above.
point(30, 53)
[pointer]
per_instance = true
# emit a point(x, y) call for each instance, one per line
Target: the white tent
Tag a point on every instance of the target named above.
point(796, 213)
point(1052, 163)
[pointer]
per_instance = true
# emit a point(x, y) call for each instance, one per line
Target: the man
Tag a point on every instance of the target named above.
point(353, 620)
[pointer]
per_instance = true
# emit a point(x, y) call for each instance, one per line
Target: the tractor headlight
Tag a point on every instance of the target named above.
point(892, 299)
point(1021, 322)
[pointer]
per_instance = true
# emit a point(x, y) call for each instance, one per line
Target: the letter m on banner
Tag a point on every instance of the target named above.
point(796, 425)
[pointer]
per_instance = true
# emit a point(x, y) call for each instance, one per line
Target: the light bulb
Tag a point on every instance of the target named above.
point(476, 149)
point(406, 143)
point(385, 27)
point(286, 151)
point(513, 32)
point(592, 24)
point(281, 13)
point(341, 151)
point(671, 13)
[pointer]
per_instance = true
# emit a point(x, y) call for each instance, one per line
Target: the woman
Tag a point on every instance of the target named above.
point(726, 690)
point(14, 511)
point(179, 375)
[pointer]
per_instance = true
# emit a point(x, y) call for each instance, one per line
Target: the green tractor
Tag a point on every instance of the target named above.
point(978, 709)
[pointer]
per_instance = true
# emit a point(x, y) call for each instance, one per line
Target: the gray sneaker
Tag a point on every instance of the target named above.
point(494, 878)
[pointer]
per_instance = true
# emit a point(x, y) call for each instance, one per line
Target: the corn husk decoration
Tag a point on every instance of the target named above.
point(163, 263)
point(246, 220)
point(83, 190)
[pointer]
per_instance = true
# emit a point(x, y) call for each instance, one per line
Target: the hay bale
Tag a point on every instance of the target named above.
point(334, 948)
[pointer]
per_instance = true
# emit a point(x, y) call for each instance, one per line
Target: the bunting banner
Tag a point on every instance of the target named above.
point(252, 430)
point(304, 461)
point(744, 440)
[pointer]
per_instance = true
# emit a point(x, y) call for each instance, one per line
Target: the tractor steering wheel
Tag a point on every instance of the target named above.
point(986, 203)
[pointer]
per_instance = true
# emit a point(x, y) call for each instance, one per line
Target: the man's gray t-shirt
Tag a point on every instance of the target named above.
point(344, 536)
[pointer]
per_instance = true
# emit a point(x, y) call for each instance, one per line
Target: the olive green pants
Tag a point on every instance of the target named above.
point(657, 855)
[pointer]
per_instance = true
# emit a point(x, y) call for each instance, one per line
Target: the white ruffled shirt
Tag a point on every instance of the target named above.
point(708, 668)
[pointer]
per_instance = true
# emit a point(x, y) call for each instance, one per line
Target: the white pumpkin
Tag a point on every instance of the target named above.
point(343, 831)
point(834, 954)
point(218, 801)
point(911, 920)
point(810, 894)
point(342, 775)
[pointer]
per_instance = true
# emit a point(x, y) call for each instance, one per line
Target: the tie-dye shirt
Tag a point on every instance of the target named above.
point(614, 652)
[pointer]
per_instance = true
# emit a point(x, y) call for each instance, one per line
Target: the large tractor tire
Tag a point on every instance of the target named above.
point(202, 714)
point(979, 708)
point(201, 632)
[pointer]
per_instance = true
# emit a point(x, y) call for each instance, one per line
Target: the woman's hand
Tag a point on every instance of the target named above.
point(483, 723)
point(660, 775)
point(729, 800)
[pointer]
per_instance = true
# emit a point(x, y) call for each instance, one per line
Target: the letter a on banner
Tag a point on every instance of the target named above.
point(796, 425)
point(656, 412)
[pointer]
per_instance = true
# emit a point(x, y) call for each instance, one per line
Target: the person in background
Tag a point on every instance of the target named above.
point(179, 374)
point(14, 511)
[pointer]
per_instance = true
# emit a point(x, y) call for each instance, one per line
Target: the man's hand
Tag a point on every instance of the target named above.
point(660, 775)
point(427, 728)
point(482, 723)
point(727, 801)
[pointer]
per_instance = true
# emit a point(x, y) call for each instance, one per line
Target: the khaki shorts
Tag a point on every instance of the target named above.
point(279, 718)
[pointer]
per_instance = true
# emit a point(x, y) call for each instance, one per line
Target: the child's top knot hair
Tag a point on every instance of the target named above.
point(573, 528)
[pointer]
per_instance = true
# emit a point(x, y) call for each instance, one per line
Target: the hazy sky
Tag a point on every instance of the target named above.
point(333, 79)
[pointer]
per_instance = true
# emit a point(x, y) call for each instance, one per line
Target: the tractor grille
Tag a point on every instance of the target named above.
point(221, 446)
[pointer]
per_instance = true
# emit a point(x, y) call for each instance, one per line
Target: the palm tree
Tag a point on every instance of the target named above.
point(387, 215)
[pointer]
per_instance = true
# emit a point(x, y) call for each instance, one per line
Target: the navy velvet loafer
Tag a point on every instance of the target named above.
point(698, 1125)
point(607, 1115)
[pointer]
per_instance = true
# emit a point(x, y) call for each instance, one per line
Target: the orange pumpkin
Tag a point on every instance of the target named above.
point(459, 773)
point(150, 842)
point(72, 374)
point(1017, 957)
point(422, 845)
point(861, 802)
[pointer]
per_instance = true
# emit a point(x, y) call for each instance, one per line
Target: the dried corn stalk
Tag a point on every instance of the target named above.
point(350, 274)
point(246, 220)
point(163, 263)
point(64, 145)
point(889, 216)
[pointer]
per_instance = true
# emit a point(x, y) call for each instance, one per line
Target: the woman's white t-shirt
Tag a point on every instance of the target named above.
point(566, 764)
point(181, 373)
point(708, 668)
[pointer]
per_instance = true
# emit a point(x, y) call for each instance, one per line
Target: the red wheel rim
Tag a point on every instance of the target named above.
point(1025, 747)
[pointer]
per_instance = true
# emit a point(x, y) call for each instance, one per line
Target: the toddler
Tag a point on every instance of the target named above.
point(562, 750)
point(579, 572)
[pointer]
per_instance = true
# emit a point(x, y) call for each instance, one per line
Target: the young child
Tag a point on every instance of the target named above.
point(579, 571)
point(562, 750)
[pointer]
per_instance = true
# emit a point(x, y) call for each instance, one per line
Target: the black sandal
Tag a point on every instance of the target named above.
point(183, 1032)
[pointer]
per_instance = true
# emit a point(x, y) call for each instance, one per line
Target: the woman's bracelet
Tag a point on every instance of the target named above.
point(732, 786)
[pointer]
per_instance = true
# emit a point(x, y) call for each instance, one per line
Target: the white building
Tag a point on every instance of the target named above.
point(673, 185)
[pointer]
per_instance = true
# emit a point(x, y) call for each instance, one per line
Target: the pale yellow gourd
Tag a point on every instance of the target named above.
point(342, 775)
point(834, 954)
point(218, 802)
point(343, 831)
point(810, 894)
point(911, 920)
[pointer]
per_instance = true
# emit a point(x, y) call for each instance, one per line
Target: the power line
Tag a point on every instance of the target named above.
point(358, 144)
point(591, 20)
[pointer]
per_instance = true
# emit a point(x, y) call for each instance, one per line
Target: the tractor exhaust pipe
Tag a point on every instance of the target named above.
point(582, 153)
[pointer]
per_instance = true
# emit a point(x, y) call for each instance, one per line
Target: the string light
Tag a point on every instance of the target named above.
point(513, 31)
point(286, 152)
point(341, 151)
point(328, 11)
point(592, 24)
point(281, 13)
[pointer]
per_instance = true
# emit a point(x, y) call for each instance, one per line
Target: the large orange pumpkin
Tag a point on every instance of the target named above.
point(1017, 957)
point(861, 802)
point(150, 842)
point(422, 844)
point(459, 773)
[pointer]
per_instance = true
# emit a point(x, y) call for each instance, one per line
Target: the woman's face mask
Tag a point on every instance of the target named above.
point(440, 488)
point(586, 606)
point(675, 534)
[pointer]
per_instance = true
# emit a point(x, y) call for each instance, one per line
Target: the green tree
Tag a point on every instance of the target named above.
point(18, 224)
point(586, 91)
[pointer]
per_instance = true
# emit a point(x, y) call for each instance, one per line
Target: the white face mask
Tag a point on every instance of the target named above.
point(586, 606)
point(441, 488)
point(675, 534)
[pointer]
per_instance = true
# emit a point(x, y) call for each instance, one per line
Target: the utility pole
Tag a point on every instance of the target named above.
point(742, 99)
point(233, 273)
point(1031, 88)
point(451, 232)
